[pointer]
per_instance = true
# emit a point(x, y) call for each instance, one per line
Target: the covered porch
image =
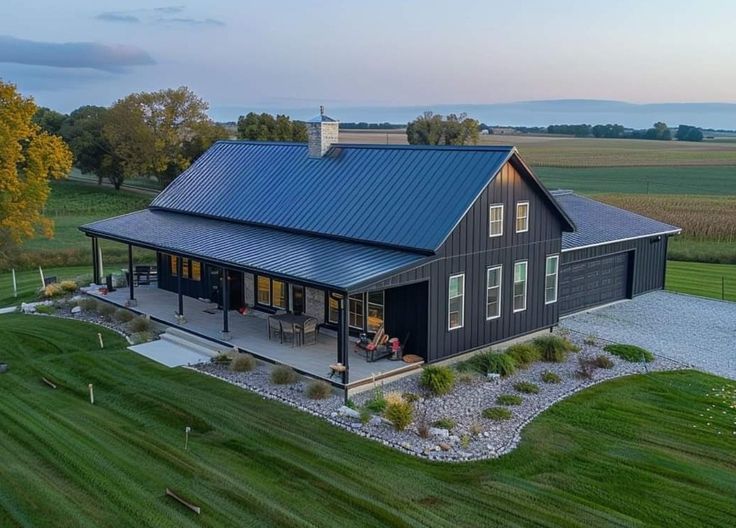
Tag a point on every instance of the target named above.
point(249, 333)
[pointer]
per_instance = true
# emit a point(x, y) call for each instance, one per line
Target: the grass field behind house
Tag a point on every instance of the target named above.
point(708, 280)
point(635, 451)
point(29, 281)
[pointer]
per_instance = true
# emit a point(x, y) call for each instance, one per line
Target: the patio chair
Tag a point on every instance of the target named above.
point(289, 332)
point(274, 329)
point(310, 331)
point(142, 275)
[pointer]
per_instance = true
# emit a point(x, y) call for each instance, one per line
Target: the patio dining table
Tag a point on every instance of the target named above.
point(296, 321)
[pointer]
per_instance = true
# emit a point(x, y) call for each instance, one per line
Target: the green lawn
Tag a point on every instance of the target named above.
point(702, 180)
point(707, 280)
point(29, 281)
point(632, 452)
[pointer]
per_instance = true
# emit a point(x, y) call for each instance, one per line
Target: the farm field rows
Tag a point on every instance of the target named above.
point(633, 451)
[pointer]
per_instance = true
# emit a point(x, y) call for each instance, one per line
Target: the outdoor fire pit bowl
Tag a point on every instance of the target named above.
point(3, 368)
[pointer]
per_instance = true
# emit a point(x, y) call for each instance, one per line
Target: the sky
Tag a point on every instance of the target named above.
point(285, 54)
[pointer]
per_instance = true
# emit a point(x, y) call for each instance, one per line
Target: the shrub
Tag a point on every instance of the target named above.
point(45, 309)
point(489, 361)
point(398, 411)
point(139, 324)
point(377, 403)
point(497, 413)
point(465, 441)
point(52, 290)
point(223, 358)
point(603, 361)
point(437, 379)
point(410, 397)
point(630, 353)
point(554, 348)
point(526, 387)
point(88, 304)
point(550, 377)
point(243, 363)
point(509, 399)
point(318, 390)
point(475, 428)
point(69, 286)
point(106, 310)
point(283, 375)
point(524, 354)
point(365, 415)
point(123, 316)
point(142, 337)
point(350, 404)
point(590, 340)
point(423, 428)
point(585, 369)
point(444, 423)
point(467, 377)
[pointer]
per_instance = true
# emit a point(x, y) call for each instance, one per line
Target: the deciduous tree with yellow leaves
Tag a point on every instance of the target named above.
point(29, 158)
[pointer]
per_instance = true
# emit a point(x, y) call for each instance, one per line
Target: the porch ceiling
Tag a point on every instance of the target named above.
point(325, 262)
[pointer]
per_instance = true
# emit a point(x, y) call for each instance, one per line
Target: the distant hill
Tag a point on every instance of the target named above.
point(528, 113)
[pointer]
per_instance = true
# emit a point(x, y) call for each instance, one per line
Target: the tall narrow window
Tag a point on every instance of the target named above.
point(375, 310)
point(196, 270)
point(278, 291)
point(456, 302)
point(522, 217)
point(520, 272)
point(333, 310)
point(264, 290)
point(185, 268)
point(550, 279)
point(355, 311)
point(493, 292)
point(495, 220)
point(174, 265)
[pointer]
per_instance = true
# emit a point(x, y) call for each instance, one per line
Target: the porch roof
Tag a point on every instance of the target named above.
point(335, 264)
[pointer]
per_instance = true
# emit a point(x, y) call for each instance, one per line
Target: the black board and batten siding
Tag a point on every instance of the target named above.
point(471, 251)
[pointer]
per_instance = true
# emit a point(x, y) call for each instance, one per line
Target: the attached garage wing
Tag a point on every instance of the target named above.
point(593, 282)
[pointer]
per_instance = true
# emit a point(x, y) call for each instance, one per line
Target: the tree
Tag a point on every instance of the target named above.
point(157, 133)
point(689, 133)
point(29, 158)
point(82, 130)
point(608, 131)
point(264, 127)
point(49, 120)
point(660, 131)
point(570, 130)
point(432, 129)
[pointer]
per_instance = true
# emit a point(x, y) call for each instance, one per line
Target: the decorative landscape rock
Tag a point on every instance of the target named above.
point(347, 411)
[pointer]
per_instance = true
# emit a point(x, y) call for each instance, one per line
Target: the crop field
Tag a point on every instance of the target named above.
point(629, 452)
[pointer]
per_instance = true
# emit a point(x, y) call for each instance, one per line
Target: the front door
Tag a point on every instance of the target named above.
point(214, 277)
point(297, 299)
point(235, 288)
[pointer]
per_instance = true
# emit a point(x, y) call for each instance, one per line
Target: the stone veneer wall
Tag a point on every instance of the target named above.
point(249, 288)
point(315, 303)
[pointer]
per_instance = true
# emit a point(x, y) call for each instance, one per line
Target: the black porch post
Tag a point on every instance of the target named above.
point(343, 336)
point(225, 305)
point(179, 271)
point(131, 301)
point(95, 263)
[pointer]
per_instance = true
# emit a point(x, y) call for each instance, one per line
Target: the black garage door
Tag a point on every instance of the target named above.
point(593, 282)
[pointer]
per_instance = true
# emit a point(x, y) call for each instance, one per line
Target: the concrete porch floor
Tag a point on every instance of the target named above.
point(250, 333)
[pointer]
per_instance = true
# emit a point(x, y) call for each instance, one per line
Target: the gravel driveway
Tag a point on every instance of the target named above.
point(699, 332)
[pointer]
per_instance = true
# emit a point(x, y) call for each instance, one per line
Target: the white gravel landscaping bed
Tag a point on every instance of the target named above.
point(473, 437)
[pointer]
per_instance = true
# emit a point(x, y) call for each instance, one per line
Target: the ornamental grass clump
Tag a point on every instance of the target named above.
point(122, 315)
point(526, 387)
point(509, 399)
point(497, 414)
point(524, 354)
point(398, 411)
point(554, 348)
point(318, 390)
point(550, 377)
point(283, 375)
point(242, 362)
point(437, 379)
point(139, 324)
point(444, 423)
point(88, 304)
point(68, 286)
point(106, 310)
point(377, 403)
point(51, 291)
point(492, 362)
point(631, 353)
point(603, 361)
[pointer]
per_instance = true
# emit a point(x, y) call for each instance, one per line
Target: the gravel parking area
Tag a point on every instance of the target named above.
point(698, 332)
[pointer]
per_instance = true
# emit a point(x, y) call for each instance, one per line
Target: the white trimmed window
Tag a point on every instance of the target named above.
point(493, 292)
point(356, 311)
point(551, 269)
point(520, 274)
point(456, 302)
point(495, 220)
point(522, 217)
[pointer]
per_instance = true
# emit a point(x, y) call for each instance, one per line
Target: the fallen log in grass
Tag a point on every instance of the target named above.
point(48, 382)
point(178, 498)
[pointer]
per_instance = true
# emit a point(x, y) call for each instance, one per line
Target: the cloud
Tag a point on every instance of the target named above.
point(104, 57)
point(191, 21)
point(118, 16)
point(169, 9)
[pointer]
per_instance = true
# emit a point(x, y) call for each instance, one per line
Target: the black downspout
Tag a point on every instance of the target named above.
point(131, 301)
point(225, 305)
point(179, 270)
point(95, 263)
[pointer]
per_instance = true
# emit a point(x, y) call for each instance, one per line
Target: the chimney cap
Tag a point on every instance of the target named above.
point(322, 118)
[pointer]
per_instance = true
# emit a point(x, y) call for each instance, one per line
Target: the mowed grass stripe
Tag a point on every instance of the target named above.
point(707, 280)
point(592, 460)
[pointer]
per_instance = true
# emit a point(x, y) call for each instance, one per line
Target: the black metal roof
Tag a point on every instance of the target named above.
point(407, 197)
point(311, 259)
point(598, 223)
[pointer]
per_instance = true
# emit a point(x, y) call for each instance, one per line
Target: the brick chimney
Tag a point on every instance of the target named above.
point(323, 132)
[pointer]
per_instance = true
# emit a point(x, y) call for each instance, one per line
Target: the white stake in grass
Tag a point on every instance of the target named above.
point(99, 336)
point(43, 279)
point(187, 430)
point(15, 285)
point(91, 394)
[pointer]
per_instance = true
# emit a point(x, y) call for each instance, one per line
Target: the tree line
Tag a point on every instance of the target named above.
point(659, 131)
point(434, 129)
